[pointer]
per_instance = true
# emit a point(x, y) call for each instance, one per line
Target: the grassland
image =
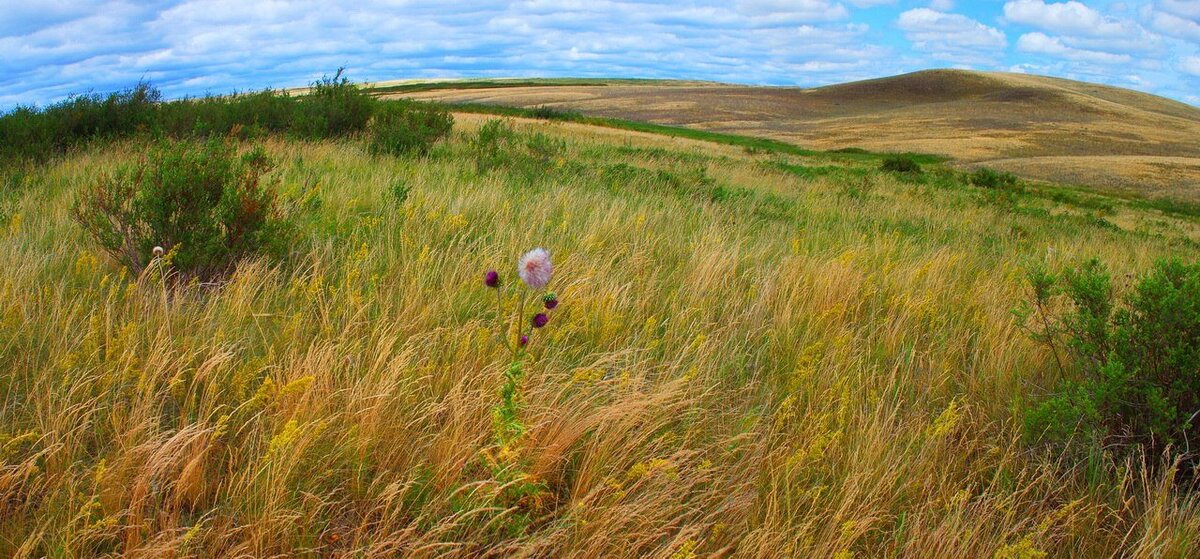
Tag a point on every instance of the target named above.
point(759, 353)
point(1107, 138)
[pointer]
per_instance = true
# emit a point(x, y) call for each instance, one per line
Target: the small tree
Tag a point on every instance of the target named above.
point(201, 202)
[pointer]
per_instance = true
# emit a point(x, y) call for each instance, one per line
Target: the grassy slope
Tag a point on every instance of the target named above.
point(1042, 128)
point(823, 363)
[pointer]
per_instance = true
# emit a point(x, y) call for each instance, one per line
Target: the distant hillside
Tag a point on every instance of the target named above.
point(1039, 127)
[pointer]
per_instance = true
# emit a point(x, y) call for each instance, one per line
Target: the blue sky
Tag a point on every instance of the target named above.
point(51, 49)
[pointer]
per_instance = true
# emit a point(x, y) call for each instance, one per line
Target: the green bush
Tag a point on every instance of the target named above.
point(202, 202)
point(401, 127)
point(333, 107)
point(1131, 364)
point(550, 113)
point(989, 178)
point(900, 164)
point(491, 144)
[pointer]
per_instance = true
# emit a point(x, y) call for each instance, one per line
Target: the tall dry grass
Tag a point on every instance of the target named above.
point(844, 380)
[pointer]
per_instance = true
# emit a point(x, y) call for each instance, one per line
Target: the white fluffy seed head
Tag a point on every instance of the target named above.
point(535, 268)
point(158, 252)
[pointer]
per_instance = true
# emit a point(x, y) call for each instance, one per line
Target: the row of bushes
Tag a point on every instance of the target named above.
point(982, 177)
point(333, 108)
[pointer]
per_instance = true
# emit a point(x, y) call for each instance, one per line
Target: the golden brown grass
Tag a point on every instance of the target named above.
point(1006, 121)
point(842, 381)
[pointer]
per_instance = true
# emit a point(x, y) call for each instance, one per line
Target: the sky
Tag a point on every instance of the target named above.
point(51, 49)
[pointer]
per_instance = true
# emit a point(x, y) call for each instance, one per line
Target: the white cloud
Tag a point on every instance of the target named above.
point(801, 10)
point(1190, 65)
point(1040, 43)
point(1184, 8)
point(952, 37)
point(1174, 25)
point(869, 3)
point(942, 5)
point(1071, 17)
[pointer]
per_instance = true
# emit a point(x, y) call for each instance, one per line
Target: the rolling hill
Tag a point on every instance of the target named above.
point(1045, 128)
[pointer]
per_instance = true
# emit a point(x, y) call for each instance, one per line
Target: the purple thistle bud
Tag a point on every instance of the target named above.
point(524, 341)
point(540, 320)
point(491, 279)
point(550, 300)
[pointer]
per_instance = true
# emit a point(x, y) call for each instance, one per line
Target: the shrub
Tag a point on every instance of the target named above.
point(1134, 376)
point(399, 192)
point(900, 164)
point(497, 145)
point(202, 202)
point(490, 144)
point(401, 127)
point(989, 178)
point(333, 107)
point(550, 113)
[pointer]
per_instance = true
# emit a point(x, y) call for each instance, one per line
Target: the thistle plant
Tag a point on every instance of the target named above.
point(516, 328)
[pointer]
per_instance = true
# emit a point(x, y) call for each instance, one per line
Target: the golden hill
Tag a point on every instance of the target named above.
point(1039, 127)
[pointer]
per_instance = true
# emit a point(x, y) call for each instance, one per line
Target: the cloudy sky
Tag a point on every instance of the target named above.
point(51, 49)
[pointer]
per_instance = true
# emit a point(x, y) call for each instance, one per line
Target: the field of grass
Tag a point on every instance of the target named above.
point(1038, 127)
point(759, 352)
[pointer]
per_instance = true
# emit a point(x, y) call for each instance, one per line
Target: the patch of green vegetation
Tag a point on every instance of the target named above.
point(1170, 207)
point(334, 108)
point(1130, 361)
point(197, 207)
point(406, 127)
point(985, 177)
point(818, 171)
point(498, 146)
point(901, 164)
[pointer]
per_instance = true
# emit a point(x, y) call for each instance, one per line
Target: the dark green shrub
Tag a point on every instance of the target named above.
point(989, 178)
point(202, 202)
point(901, 164)
point(526, 156)
point(334, 107)
point(550, 113)
point(491, 144)
point(401, 127)
point(399, 192)
point(1131, 364)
